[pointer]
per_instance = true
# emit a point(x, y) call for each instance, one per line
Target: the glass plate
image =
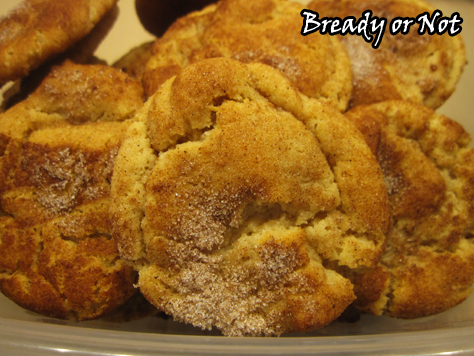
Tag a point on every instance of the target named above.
point(26, 333)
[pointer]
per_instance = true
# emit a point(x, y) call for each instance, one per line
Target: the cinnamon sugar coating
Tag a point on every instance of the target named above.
point(233, 191)
point(251, 31)
point(36, 30)
point(428, 167)
point(419, 68)
point(57, 151)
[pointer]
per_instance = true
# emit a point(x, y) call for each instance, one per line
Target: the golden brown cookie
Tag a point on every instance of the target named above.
point(266, 31)
point(36, 30)
point(420, 68)
point(133, 62)
point(428, 167)
point(82, 52)
point(231, 193)
point(57, 151)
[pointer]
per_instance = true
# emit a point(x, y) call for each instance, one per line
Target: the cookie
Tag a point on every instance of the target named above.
point(232, 191)
point(82, 52)
point(250, 31)
point(37, 30)
point(133, 62)
point(419, 68)
point(57, 151)
point(428, 167)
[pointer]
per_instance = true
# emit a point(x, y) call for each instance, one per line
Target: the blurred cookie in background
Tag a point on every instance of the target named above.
point(419, 68)
point(37, 30)
point(81, 52)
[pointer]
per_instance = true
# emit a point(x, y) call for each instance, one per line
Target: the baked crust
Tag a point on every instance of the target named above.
point(250, 31)
point(36, 30)
point(134, 62)
point(57, 150)
point(428, 168)
point(419, 68)
point(232, 191)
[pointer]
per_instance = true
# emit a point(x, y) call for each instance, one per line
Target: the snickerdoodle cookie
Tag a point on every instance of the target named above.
point(233, 191)
point(57, 151)
point(266, 31)
point(37, 30)
point(420, 68)
point(428, 168)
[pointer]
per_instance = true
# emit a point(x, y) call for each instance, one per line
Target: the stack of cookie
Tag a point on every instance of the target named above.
point(261, 182)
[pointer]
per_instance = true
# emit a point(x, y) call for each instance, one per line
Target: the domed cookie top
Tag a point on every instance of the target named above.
point(57, 151)
point(428, 168)
point(268, 32)
point(420, 68)
point(231, 193)
point(36, 30)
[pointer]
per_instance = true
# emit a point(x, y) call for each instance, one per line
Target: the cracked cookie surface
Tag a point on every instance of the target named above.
point(428, 167)
point(57, 150)
point(255, 31)
point(232, 192)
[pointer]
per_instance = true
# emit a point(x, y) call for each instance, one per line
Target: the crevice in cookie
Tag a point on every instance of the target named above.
point(76, 240)
point(320, 215)
point(40, 248)
point(218, 101)
point(199, 134)
point(4, 141)
point(262, 212)
point(4, 213)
